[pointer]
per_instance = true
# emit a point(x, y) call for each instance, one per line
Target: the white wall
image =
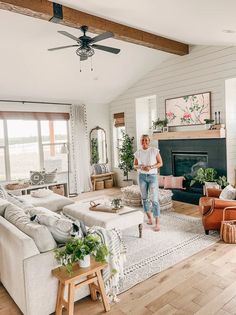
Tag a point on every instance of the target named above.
point(230, 101)
point(205, 69)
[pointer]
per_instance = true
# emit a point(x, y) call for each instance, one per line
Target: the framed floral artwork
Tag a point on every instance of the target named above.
point(188, 110)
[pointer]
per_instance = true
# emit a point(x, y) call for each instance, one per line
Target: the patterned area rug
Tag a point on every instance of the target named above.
point(180, 237)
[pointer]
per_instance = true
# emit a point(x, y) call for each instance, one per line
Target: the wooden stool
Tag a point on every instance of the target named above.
point(93, 275)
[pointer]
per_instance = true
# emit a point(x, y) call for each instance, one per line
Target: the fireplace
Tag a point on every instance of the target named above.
point(187, 163)
point(184, 157)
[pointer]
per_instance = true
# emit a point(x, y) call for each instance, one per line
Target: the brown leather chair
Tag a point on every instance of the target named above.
point(211, 209)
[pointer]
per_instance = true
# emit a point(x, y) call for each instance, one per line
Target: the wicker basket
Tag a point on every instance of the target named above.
point(228, 229)
point(108, 183)
point(15, 186)
point(58, 189)
point(99, 185)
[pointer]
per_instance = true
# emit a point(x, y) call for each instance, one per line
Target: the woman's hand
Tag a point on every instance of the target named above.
point(145, 168)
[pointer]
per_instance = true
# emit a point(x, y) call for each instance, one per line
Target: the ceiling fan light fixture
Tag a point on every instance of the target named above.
point(85, 51)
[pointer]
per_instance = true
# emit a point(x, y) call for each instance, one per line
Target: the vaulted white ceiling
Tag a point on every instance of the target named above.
point(197, 22)
point(29, 71)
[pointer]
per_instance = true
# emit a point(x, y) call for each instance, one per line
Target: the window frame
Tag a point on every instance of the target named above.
point(8, 175)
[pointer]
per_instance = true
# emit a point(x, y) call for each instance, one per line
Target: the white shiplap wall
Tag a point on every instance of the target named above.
point(205, 69)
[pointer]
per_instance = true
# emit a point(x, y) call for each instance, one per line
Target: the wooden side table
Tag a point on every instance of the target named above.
point(93, 279)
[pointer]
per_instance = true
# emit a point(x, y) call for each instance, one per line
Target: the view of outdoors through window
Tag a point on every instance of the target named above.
point(117, 143)
point(54, 138)
point(32, 145)
point(23, 147)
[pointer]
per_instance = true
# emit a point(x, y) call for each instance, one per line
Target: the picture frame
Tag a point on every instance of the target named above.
point(188, 110)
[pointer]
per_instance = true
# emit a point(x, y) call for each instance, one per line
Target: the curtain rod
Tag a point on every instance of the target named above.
point(30, 102)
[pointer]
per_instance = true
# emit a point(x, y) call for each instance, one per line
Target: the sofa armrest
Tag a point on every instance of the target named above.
point(221, 204)
point(213, 192)
point(206, 205)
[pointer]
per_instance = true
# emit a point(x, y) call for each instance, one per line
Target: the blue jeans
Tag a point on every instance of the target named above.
point(149, 192)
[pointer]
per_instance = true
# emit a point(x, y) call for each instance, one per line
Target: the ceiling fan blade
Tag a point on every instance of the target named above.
point(102, 37)
point(68, 35)
point(62, 47)
point(82, 58)
point(106, 48)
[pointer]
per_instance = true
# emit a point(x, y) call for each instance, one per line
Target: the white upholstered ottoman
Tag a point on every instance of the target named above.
point(126, 218)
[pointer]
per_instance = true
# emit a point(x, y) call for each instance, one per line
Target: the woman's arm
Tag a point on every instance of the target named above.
point(136, 165)
point(158, 163)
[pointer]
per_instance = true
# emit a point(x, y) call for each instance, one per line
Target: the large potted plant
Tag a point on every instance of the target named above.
point(126, 157)
point(209, 175)
point(80, 250)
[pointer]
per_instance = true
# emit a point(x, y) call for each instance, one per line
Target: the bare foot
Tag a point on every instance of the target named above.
point(149, 222)
point(157, 228)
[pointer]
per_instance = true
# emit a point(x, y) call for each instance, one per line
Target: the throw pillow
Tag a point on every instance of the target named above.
point(3, 204)
point(228, 193)
point(3, 193)
point(50, 177)
point(40, 234)
point(173, 182)
point(62, 228)
point(40, 193)
point(37, 177)
point(161, 180)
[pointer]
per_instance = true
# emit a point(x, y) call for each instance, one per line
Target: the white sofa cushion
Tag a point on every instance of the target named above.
point(3, 204)
point(39, 233)
point(53, 202)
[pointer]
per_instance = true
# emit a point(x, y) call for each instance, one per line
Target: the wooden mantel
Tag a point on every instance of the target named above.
point(194, 134)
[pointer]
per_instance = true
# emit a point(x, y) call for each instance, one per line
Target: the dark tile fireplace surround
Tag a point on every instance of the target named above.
point(184, 157)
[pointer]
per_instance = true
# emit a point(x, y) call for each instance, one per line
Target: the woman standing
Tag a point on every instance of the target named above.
point(147, 161)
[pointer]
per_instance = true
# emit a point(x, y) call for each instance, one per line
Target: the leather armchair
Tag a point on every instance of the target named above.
point(211, 209)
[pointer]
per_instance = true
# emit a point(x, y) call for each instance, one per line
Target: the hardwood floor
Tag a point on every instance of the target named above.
point(203, 284)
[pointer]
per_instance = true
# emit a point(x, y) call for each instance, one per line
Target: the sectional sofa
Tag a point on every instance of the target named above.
point(26, 263)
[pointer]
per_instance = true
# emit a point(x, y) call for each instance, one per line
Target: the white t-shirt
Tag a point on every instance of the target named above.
point(147, 157)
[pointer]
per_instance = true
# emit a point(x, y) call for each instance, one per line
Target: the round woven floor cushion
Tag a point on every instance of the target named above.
point(132, 197)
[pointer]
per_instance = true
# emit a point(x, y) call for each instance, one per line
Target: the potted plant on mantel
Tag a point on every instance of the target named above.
point(209, 123)
point(126, 157)
point(160, 125)
point(80, 250)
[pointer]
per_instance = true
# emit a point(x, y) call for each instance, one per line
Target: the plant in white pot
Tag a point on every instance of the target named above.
point(80, 250)
point(126, 157)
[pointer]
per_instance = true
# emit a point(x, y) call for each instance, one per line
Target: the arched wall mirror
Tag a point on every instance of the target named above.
point(98, 146)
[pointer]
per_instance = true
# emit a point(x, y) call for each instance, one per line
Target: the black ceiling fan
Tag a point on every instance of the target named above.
point(87, 44)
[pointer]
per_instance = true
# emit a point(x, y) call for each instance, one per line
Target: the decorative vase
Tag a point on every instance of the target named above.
point(85, 263)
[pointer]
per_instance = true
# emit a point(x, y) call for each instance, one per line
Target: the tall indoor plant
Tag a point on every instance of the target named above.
point(126, 155)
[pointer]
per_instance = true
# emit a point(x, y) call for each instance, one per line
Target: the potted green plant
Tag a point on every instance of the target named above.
point(126, 157)
point(160, 125)
point(207, 175)
point(208, 123)
point(80, 250)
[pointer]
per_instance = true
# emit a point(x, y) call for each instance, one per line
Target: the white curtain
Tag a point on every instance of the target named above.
point(79, 150)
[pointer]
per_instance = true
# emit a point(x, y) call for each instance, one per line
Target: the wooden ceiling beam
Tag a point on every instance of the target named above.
point(43, 9)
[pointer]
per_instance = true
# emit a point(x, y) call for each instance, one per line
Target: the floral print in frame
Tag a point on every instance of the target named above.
point(188, 110)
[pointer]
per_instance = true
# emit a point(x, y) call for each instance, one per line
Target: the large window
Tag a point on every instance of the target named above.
point(54, 139)
point(119, 128)
point(23, 147)
point(33, 145)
